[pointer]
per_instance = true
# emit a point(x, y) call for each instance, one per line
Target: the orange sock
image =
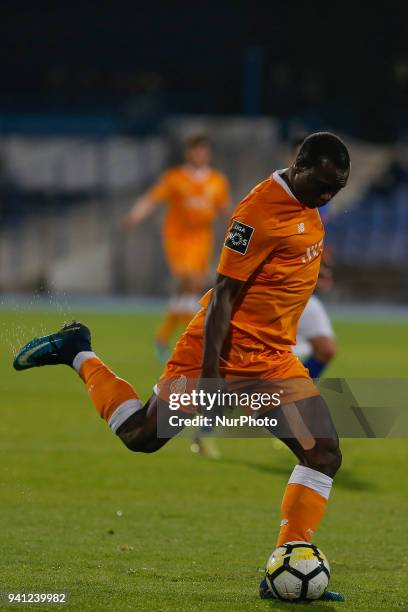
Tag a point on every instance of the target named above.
point(114, 398)
point(303, 505)
point(168, 326)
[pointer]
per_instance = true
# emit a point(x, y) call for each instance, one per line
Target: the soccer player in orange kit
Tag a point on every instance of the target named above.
point(246, 328)
point(195, 194)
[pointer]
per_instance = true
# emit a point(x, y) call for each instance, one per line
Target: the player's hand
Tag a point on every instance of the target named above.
point(129, 221)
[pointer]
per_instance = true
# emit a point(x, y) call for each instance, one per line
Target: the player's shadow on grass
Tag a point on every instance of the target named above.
point(345, 479)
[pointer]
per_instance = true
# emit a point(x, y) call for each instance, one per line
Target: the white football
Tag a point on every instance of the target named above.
point(297, 571)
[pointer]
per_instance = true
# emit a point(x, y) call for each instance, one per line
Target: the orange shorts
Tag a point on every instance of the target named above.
point(188, 253)
point(260, 368)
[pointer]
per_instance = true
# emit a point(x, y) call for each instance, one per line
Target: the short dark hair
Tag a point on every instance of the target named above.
point(323, 145)
point(197, 140)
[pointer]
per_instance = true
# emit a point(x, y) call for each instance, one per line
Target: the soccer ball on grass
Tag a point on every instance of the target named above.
point(297, 571)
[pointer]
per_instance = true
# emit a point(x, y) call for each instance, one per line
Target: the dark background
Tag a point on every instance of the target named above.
point(344, 64)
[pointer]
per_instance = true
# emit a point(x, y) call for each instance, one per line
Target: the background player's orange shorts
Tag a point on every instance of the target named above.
point(272, 370)
point(188, 252)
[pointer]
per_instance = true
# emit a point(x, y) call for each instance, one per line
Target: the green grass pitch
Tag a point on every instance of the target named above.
point(173, 531)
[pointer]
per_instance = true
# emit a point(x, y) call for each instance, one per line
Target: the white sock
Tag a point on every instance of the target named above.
point(123, 412)
point(80, 358)
point(313, 479)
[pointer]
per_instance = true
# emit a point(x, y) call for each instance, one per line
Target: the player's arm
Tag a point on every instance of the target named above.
point(247, 243)
point(140, 211)
point(217, 322)
point(146, 204)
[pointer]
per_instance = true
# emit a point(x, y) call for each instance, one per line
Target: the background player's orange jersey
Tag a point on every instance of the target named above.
point(274, 243)
point(193, 198)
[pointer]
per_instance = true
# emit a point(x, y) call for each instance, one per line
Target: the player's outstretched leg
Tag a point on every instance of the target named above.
point(115, 399)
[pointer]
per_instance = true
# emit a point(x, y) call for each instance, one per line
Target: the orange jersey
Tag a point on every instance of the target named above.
point(193, 199)
point(274, 243)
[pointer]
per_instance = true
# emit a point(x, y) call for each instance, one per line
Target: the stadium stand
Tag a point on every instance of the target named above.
point(62, 197)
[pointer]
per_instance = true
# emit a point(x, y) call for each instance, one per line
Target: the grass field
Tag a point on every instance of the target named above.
point(173, 531)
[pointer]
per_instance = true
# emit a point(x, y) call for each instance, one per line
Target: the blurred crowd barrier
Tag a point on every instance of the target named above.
point(61, 200)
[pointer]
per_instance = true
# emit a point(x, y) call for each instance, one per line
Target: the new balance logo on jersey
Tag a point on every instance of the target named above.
point(238, 237)
point(313, 251)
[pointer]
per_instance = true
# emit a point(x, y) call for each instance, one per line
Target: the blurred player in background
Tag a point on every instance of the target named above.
point(195, 194)
point(315, 341)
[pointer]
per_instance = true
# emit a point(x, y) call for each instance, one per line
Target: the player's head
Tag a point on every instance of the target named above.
point(198, 150)
point(321, 169)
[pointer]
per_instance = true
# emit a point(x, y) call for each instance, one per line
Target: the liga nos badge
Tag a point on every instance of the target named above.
point(238, 237)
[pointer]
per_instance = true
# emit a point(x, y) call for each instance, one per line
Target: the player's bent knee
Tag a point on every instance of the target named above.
point(141, 444)
point(325, 457)
point(333, 461)
point(132, 442)
point(134, 438)
point(144, 447)
point(139, 432)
